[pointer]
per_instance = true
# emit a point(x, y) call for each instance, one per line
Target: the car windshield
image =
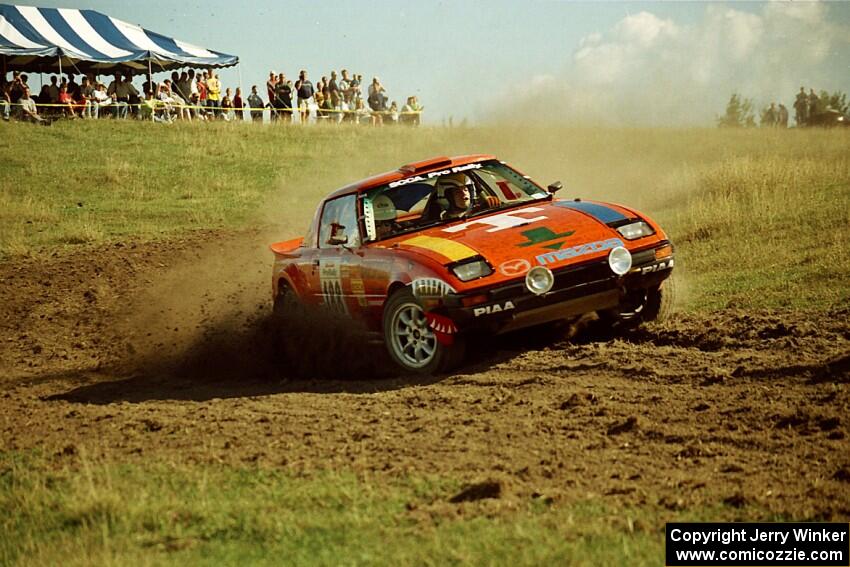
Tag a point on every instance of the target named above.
point(444, 196)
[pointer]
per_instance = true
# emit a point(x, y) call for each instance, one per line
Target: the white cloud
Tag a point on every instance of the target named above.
point(646, 69)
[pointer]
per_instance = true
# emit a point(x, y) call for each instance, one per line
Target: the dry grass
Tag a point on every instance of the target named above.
point(758, 216)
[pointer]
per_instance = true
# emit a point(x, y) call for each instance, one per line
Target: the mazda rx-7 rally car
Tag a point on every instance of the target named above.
point(438, 249)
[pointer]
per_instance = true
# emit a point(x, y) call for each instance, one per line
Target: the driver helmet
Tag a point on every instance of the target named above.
point(383, 209)
point(450, 181)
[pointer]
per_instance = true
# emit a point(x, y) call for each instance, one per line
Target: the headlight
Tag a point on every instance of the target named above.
point(620, 260)
point(472, 270)
point(539, 280)
point(635, 230)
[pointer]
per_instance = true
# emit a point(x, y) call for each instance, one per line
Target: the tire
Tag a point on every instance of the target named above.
point(659, 301)
point(641, 306)
point(411, 344)
point(287, 307)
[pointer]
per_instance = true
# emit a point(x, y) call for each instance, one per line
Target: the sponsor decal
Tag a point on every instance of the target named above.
point(502, 221)
point(490, 309)
point(331, 285)
point(666, 265)
point(454, 251)
point(544, 234)
point(515, 267)
point(433, 174)
point(576, 251)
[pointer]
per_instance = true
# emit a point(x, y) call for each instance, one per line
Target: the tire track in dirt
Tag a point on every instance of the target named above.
point(746, 409)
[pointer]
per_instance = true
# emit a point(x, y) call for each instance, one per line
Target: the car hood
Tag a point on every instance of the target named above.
point(550, 233)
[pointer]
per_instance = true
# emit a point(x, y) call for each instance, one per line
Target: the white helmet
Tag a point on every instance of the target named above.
point(383, 208)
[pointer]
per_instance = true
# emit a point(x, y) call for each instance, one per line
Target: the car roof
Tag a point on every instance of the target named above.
point(408, 170)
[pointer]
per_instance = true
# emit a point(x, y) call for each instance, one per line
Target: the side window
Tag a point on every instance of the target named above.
point(339, 223)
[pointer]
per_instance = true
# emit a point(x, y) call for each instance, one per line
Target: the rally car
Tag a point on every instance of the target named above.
point(436, 250)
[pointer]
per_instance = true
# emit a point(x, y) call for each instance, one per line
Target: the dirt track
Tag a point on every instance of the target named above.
point(126, 352)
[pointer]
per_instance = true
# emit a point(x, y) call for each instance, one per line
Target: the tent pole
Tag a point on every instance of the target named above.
point(150, 76)
point(60, 67)
point(242, 90)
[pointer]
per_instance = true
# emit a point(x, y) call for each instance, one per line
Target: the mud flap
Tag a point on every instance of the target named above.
point(443, 327)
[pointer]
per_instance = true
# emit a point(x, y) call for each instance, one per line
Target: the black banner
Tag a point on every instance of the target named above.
point(758, 544)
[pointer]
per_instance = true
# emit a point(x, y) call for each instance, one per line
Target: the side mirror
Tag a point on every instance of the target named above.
point(555, 187)
point(337, 236)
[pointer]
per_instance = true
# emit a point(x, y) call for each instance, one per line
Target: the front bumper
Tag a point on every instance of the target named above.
point(578, 289)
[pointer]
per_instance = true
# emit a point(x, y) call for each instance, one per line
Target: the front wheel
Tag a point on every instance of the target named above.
point(411, 342)
point(643, 305)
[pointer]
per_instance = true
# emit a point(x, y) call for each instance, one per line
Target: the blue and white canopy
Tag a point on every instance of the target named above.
point(35, 39)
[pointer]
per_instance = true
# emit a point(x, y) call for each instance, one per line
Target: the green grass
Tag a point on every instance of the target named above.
point(759, 220)
point(100, 513)
point(759, 217)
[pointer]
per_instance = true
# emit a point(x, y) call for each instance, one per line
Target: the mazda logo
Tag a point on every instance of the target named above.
point(515, 267)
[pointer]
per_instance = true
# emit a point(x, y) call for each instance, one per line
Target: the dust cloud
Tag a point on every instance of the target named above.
point(652, 71)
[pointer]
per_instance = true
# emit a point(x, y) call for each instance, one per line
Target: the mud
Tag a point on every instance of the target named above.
point(165, 351)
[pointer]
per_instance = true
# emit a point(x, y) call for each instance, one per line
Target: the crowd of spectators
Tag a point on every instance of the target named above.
point(198, 95)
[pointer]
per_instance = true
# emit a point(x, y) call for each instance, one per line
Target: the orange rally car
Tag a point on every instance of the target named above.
point(438, 248)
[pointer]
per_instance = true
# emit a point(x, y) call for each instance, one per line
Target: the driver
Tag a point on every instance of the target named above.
point(458, 192)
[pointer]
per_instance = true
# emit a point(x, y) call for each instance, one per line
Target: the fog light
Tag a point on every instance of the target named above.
point(539, 280)
point(620, 260)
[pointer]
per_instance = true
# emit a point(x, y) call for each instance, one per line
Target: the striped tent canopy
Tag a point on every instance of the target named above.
point(47, 39)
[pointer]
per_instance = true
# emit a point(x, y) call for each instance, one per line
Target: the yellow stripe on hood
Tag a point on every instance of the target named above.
point(452, 250)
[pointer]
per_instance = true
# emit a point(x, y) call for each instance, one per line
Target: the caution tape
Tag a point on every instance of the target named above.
point(165, 104)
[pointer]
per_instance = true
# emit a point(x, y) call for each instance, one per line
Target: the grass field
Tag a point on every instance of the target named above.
point(759, 219)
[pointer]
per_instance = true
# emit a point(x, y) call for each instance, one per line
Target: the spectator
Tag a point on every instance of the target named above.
point(336, 97)
point(182, 87)
point(356, 86)
point(283, 98)
point(67, 102)
point(320, 104)
point(362, 114)
point(43, 95)
point(148, 108)
point(150, 86)
point(201, 83)
point(194, 96)
point(304, 88)
point(377, 101)
point(256, 104)
point(270, 86)
point(814, 104)
point(27, 111)
point(120, 97)
point(6, 100)
point(238, 105)
point(213, 93)
point(19, 84)
point(345, 89)
point(101, 99)
point(782, 114)
point(87, 98)
point(393, 113)
point(132, 95)
point(227, 106)
point(53, 90)
point(72, 87)
point(801, 107)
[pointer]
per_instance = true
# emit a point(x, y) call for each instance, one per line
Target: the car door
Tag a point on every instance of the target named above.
point(338, 260)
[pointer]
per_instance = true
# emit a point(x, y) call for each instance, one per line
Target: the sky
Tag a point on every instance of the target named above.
point(641, 63)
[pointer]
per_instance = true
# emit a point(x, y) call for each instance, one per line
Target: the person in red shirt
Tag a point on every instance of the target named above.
point(202, 94)
point(66, 99)
point(238, 105)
